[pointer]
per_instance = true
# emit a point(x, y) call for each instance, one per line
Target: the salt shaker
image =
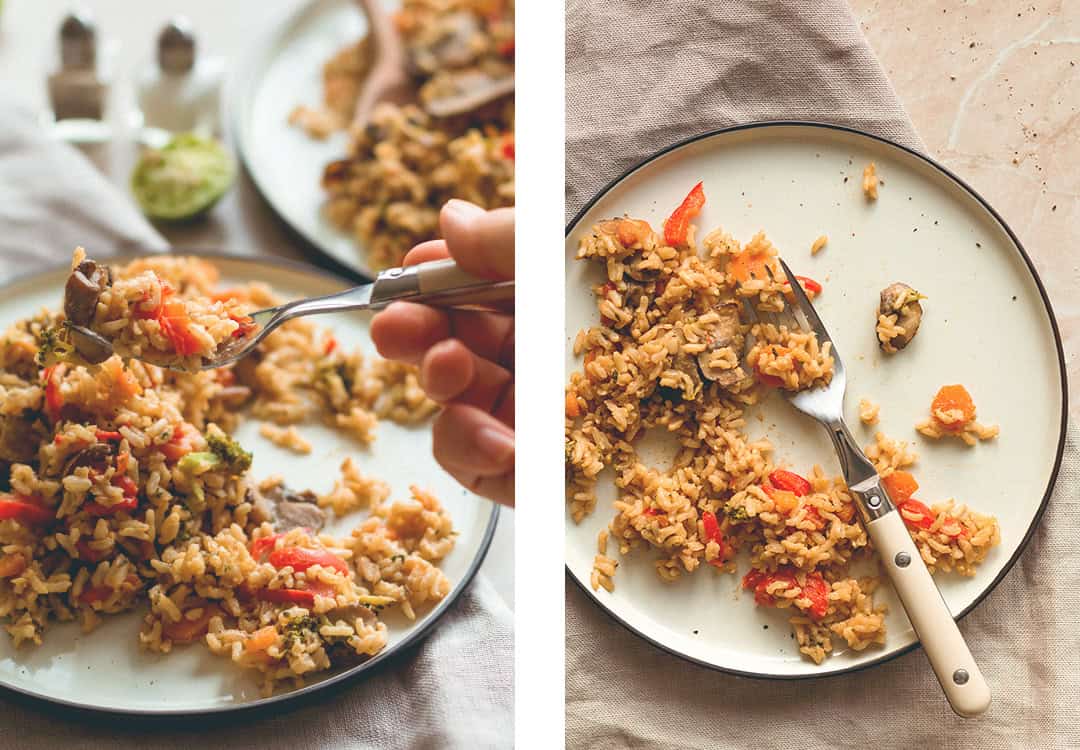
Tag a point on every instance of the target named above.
point(78, 89)
point(178, 93)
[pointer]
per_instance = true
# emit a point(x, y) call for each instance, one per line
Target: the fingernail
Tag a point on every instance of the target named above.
point(496, 446)
point(462, 211)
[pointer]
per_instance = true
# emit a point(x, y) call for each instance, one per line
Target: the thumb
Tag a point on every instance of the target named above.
point(482, 242)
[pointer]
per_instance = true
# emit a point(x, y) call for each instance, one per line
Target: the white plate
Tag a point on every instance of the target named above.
point(988, 325)
point(106, 669)
point(282, 69)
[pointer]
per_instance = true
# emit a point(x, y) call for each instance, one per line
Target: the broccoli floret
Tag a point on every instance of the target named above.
point(736, 513)
point(236, 459)
point(198, 462)
point(54, 346)
point(297, 627)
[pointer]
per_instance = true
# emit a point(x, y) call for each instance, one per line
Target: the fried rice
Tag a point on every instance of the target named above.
point(122, 490)
point(404, 165)
point(723, 498)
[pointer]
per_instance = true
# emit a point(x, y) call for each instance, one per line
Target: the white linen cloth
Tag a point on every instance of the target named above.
point(453, 690)
point(639, 77)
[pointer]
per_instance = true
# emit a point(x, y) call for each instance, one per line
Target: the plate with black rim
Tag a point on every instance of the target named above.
point(280, 70)
point(988, 325)
point(105, 670)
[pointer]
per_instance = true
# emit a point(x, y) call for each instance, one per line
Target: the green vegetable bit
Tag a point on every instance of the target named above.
point(183, 179)
point(236, 459)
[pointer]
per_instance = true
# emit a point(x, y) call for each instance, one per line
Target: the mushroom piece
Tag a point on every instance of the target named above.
point(726, 333)
point(900, 300)
point(288, 509)
point(19, 437)
point(465, 91)
point(84, 286)
point(451, 43)
point(690, 387)
point(90, 346)
point(95, 456)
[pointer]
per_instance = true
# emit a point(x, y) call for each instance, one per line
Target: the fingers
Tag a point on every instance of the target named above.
point(451, 373)
point(405, 331)
point(477, 450)
point(482, 242)
point(425, 251)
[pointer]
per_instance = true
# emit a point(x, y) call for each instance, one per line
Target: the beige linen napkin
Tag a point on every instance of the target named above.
point(640, 76)
point(453, 690)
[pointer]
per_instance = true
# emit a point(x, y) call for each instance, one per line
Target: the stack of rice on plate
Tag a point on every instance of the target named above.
point(122, 485)
point(670, 314)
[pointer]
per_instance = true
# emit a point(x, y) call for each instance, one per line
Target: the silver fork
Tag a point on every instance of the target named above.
point(956, 670)
point(439, 282)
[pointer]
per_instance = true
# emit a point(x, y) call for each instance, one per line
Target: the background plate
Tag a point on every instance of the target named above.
point(107, 670)
point(283, 69)
point(987, 325)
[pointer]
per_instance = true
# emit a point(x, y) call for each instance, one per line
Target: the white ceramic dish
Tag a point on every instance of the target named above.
point(282, 69)
point(106, 670)
point(988, 325)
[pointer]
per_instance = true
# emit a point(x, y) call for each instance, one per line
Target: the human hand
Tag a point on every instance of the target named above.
point(466, 358)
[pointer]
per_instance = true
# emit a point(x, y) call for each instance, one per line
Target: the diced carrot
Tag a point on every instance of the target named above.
point(11, 565)
point(330, 346)
point(628, 232)
point(773, 381)
point(954, 397)
point(786, 500)
point(186, 631)
point(900, 485)
point(93, 594)
point(750, 264)
point(572, 408)
point(179, 444)
point(261, 639)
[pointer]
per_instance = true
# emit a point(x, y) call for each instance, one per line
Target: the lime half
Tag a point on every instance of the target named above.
point(182, 179)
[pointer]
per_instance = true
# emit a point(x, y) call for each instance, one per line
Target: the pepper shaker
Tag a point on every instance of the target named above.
point(78, 89)
point(178, 92)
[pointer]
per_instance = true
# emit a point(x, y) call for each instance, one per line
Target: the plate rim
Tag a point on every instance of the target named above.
point(1055, 329)
point(293, 696)
point(239, 79)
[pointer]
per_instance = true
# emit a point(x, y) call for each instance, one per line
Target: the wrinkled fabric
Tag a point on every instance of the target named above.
point(453, 690)
point(52, 199)
point(641, 76)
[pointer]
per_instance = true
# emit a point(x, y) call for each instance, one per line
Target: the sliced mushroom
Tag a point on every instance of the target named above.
point(901, 300)
point(84, 287)
point(465, 91)
point(288, 509)
point(91, 347)
point(451, 43)
point(95, 456)
point(690, 387)
point(726, 333)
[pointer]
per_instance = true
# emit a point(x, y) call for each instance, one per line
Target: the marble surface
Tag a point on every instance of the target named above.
point(243, 222)
point(993, 88)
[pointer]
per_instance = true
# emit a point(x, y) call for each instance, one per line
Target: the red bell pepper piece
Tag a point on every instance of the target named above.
point(264, 544)
point(713, 534)
point(106, 435)
point(303, 597)
point(302, 558)
point(26, 509)
point(812, 287)
point(921, 517)
point(790, 481)
point(677, 226)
